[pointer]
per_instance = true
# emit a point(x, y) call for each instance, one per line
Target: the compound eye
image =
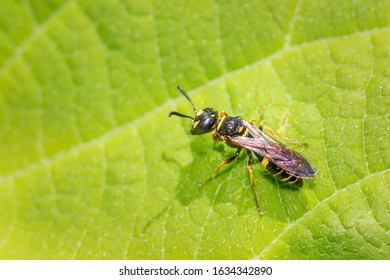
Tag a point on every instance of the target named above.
point(207, 124)
point(204, 122)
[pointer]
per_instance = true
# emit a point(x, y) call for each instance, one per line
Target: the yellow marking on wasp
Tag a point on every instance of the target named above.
point(195, 124)
point(246, 132)
point(215, 124)
point(287, 178)
point(221, 121)
point(265, 162)
point(198, 113)
point(222, 114)
point(223, 138)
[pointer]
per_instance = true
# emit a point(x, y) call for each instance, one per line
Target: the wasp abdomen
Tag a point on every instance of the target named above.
point(280, 173)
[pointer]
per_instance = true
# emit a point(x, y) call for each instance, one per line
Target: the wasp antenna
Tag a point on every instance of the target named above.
point(186, 96)
point(179, 115)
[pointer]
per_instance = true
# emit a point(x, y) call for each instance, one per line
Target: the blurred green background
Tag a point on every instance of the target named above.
point(92, 168)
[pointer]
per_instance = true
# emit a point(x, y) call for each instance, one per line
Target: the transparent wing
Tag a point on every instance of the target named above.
point(276, 152)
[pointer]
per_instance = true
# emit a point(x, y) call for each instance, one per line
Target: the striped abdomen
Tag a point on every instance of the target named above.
point(280, 173)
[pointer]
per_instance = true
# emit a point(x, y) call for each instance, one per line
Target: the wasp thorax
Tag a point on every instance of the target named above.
point(205, 121)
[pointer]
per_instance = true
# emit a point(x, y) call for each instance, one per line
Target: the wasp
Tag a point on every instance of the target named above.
point(280, 160)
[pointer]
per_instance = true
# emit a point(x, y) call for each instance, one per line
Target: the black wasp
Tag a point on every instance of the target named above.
point(280, 160)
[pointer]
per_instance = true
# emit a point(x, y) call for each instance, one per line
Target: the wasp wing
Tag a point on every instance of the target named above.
point(276, 152)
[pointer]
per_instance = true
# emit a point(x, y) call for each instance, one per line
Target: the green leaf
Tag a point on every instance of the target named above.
point(91, 167)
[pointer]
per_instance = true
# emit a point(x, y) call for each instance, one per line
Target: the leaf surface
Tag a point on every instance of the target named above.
point(91, 167)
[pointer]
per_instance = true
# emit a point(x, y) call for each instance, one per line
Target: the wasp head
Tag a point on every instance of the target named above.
point(204, 121)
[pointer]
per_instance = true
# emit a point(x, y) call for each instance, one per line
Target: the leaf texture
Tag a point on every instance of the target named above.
point(92, 168)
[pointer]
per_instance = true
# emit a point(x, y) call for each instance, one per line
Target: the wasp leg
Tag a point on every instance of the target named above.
point(216, 137)
point(226, 161)
point(274, 133)
point(251, 121)
point(248, 165)
point(278, 135)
